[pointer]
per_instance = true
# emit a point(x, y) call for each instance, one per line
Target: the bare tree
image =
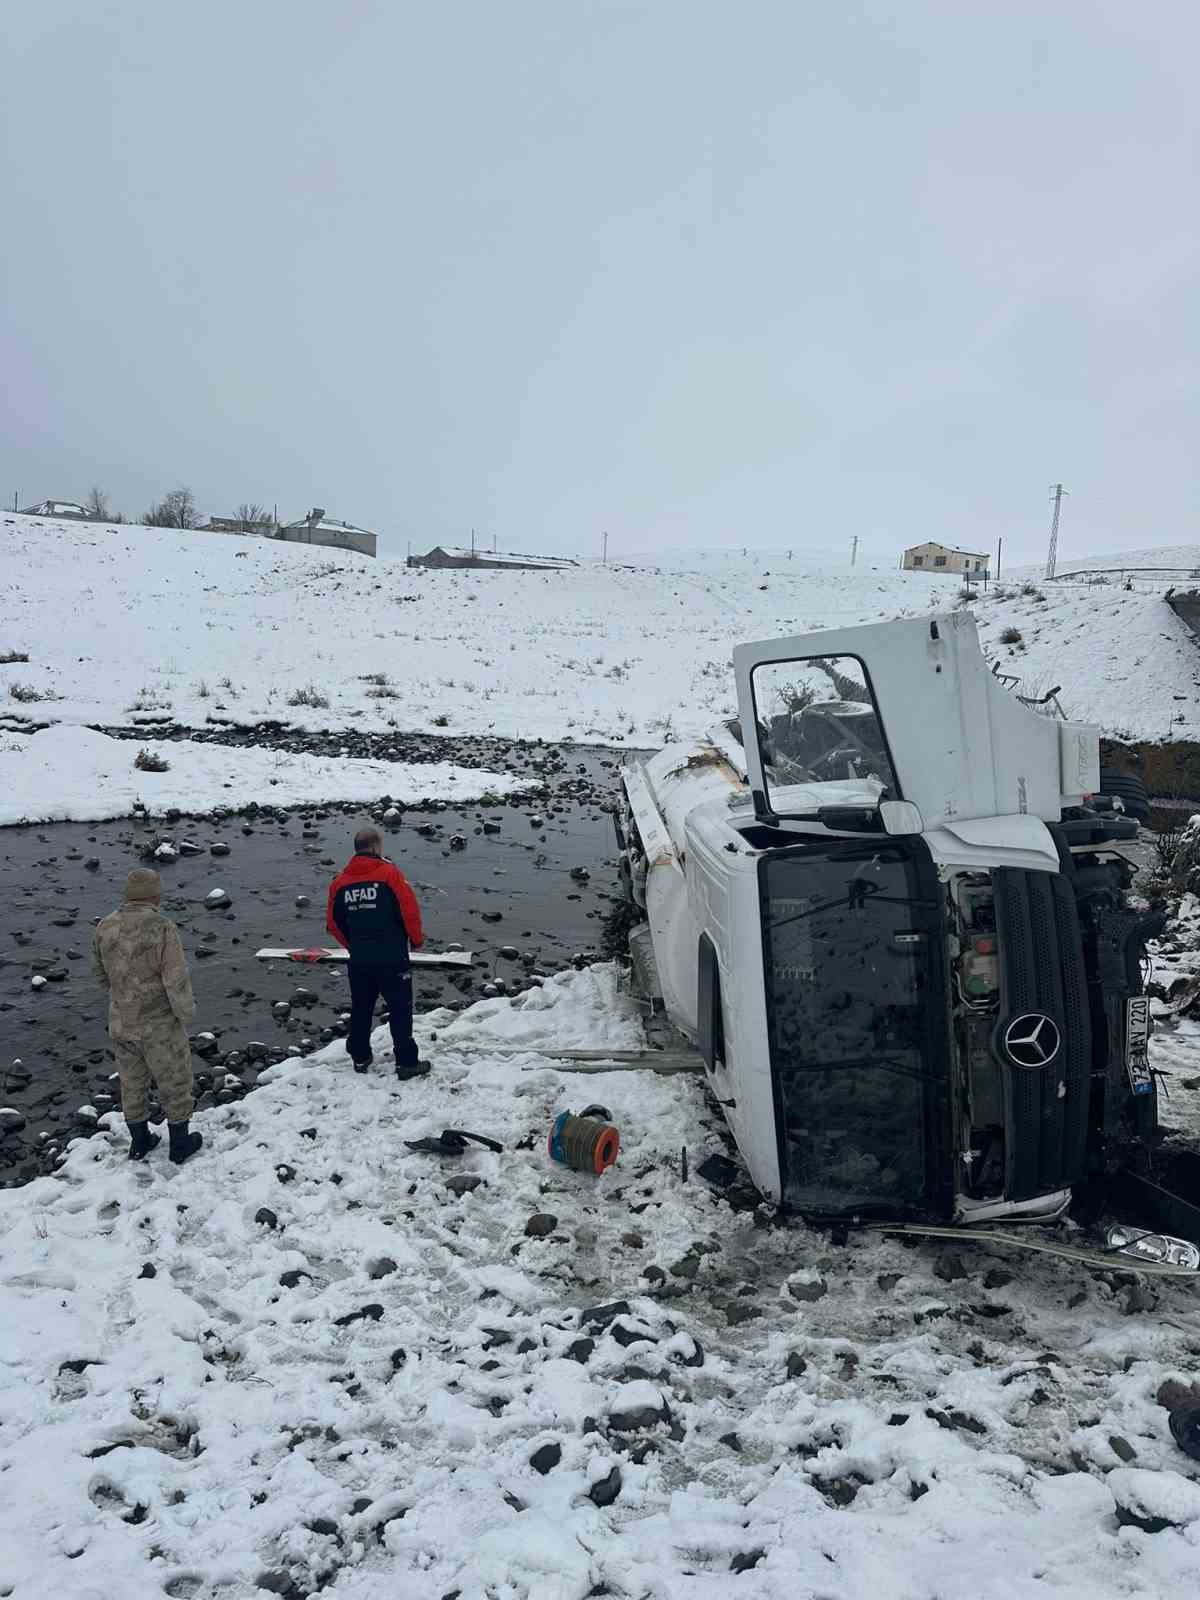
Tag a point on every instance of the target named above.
point(96, 505)
point(251, 515)
point(174, 510)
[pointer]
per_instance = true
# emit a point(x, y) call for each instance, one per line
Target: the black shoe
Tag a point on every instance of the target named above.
point(361, 1066)
point(183, 1143)
point(141, 1140)
point(418, 1069)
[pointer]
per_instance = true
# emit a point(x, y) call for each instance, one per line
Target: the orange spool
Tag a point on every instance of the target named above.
point(586, 1144)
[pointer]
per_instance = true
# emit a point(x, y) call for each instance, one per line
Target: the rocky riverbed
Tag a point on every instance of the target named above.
point(525, 886)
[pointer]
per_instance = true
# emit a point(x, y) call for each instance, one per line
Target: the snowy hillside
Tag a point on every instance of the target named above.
point(127, 624)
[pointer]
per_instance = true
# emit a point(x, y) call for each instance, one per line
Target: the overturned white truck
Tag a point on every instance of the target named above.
point(886, 907)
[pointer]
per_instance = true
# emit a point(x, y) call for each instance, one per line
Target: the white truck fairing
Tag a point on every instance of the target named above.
point(961, 746)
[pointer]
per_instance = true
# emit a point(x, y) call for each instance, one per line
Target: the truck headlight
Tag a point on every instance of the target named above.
point(1160, 1247)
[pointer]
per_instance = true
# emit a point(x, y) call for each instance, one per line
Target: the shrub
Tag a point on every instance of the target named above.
point(1032, 590)
point(26, 693)
point(966, 594)
point(11, 657)
point(795, 696)
point(147, 761)
point(441, 720)
point(1011, 636)
point(310, 695)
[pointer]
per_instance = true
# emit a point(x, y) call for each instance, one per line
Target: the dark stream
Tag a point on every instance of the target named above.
point(506, 880)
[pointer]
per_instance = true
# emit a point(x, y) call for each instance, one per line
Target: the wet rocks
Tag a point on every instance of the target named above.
point(218, 848)
point(217, 899)
point(540, 1225)
point(465, 1183)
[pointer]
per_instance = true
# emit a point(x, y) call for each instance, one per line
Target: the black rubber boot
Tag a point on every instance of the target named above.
point(141, 1140)
point(417, 1069)
point(183, 1143)
point(361, 1066)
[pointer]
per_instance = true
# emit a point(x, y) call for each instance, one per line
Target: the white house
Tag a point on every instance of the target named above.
point(944, 558)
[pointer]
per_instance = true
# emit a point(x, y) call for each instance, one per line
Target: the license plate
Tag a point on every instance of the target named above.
point(1137, 1044)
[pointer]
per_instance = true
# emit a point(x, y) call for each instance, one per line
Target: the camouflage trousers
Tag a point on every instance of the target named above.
point(164, 1054)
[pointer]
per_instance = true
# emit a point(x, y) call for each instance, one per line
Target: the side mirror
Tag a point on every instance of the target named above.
point(901, 817)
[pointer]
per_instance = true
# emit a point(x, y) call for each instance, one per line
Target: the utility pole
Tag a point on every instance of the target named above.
point(999, 547)
point(493, 544)
point(1052, 557)
point(604, 549)
point(472, 541)
point(854, 550)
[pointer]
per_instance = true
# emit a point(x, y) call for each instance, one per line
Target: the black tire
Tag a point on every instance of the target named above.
point(1129, 789)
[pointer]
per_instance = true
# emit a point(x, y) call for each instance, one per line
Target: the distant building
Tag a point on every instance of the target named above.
point(942, 558)
point(317, 528)
point(491, 560)
point(56, 508)
point(265, 530)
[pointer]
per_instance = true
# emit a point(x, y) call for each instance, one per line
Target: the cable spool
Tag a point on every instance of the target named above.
point(584, 1143)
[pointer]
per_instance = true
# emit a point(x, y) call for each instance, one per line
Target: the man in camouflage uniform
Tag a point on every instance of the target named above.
point(137, 957)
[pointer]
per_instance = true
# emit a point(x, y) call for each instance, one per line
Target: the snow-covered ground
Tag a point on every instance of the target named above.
point(309, 1359)
point(65, 774)
point(122, 623)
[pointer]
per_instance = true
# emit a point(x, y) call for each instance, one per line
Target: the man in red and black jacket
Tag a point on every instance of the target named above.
point(372, 911)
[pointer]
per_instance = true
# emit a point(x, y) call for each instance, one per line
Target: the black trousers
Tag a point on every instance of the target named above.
point(394, 986)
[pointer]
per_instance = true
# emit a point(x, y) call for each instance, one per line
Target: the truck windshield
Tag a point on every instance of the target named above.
point(818, 724)
point(848, 945)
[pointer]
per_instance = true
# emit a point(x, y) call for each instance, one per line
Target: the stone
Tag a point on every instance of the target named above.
point(540, 1224)
point(606, 1489)
point(808, 1290)
point(463, 1183)
point(1153, 1501)
point(580, 1350)
point(217, 899)
point(796, 1364)
point(218, 849)
point(546, 1457)
point(1174, 1395)
point(1122, 1448)
point(949, 1267)
point(750, 1558)
point(369, 1313)
point(382, 1268)
point(149, 1270)
point(597, 1318)
point(267, 1217)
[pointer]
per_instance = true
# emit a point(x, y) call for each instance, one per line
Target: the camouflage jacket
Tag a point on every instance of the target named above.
point(137, 956)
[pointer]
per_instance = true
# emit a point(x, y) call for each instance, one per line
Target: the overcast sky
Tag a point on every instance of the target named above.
point(698, 274)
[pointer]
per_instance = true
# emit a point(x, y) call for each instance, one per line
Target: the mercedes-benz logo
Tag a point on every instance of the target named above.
point(1032, 1040)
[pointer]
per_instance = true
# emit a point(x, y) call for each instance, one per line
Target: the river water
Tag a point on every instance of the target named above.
point(509, 887)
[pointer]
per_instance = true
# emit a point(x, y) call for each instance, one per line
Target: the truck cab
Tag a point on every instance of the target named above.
point(886, 909)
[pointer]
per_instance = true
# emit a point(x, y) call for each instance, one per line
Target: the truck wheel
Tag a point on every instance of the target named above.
point(1127, 788)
